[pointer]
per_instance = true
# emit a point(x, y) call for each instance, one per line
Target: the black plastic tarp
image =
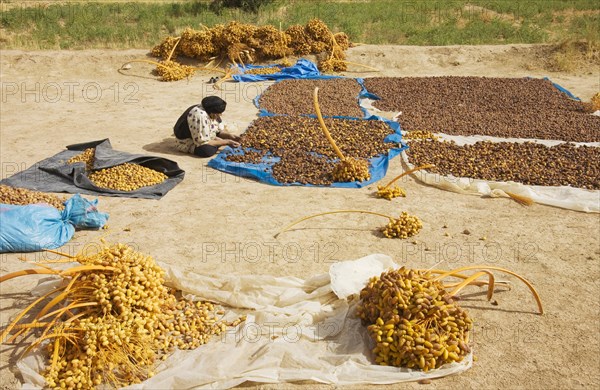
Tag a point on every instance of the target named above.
point(55, 175)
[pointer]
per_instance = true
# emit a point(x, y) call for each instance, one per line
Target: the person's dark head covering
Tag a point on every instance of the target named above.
point(213, 105)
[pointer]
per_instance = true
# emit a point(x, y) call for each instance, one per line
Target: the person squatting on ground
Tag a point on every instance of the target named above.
point(200, 130)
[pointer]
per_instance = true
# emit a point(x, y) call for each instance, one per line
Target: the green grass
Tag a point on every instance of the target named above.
point(531, 8)
point(78, 25)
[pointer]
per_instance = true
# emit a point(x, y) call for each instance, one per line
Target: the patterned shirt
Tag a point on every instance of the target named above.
point(202, 129)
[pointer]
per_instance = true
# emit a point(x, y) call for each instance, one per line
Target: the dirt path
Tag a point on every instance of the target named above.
point(208, 222)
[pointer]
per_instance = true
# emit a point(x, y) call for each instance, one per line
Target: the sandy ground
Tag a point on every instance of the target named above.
point(218, 223)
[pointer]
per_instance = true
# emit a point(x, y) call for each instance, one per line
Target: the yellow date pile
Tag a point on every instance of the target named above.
point(267, 70)
point(172, 71)
point(351, 169)
point(390, 193)
point(87, 157)
point(413, 320)
point(123, 177)
point(126, 177)
point(595, 102)
point(112, 319)
point(306, 156)
point(402, 227)
point(248, 43)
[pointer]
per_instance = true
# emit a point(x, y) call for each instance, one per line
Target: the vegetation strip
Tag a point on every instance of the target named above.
point(78, 25)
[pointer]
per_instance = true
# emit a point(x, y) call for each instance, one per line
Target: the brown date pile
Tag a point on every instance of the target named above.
point(23, 196)
point(527, 163)
point(499, 107)
point(337, 97)
point(315, 169)
point(249, 156)
point(306, 156)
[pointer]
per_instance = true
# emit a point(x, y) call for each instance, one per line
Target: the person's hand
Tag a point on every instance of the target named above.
point(233, 143)
point(228, 135)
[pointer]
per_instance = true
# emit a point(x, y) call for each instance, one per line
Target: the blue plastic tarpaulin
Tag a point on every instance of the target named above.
point(263, 172)
point(563, 90)
point(302, 69)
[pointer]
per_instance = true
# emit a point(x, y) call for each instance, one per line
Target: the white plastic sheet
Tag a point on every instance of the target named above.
point(296, 330)
point(565, 197)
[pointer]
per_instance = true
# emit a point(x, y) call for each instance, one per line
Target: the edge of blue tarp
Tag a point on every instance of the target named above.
point(302, 69)
point(263, 172)
point(562, 89)
point(364, 93)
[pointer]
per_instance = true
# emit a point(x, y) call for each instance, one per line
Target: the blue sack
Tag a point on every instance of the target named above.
point(36, 227)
